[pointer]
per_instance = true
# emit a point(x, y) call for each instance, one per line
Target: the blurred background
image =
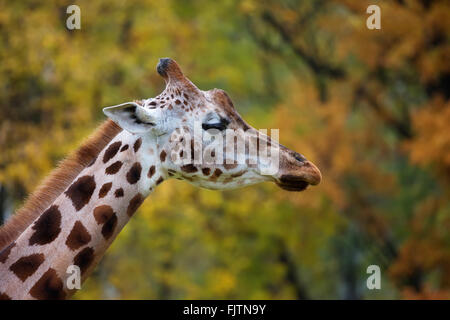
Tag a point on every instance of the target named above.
point(370, 107)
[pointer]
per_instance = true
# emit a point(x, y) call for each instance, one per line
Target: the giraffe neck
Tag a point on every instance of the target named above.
point(78, 227)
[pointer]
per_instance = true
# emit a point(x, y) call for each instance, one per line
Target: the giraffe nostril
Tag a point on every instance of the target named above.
point(299, 157)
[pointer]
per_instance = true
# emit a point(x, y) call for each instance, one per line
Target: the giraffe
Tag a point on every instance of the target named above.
point(78, 211)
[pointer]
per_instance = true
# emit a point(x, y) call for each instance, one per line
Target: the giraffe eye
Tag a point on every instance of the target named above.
point(220, 125)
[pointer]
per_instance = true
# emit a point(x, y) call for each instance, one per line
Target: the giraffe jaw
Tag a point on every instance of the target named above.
point(293, 184)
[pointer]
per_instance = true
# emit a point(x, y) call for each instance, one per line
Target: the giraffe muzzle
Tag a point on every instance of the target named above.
point(300, 177)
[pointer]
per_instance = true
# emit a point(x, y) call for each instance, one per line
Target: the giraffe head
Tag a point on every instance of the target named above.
point(200, 137)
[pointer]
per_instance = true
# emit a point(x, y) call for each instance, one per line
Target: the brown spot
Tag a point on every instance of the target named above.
point(26, 266)
point(134, 174)
point(177, 101)
point(118, 193)
point(206, 171)
point(47, 227)
point(124, 148)
point(151, 171)
point(160, 179)
point(215, 174)
point(109, 227)
point(104, 189)
point(84, 259)
point(162, 156)
point(189, 168)
point(78, 237)
point(80, 191)
point(111, 151)
point(114, 168)
point(4, 296)
point(5, 252)
point(137, 145)
point(103, 213)
point(134, 204)
point(48, 287)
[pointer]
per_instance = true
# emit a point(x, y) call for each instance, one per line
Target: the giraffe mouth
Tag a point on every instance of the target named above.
point(292, 183)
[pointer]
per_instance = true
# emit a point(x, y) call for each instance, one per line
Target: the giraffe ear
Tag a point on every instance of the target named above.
point(131, 116)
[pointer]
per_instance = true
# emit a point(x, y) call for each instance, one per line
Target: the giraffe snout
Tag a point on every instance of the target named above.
point(311, 173)
point(296, 172)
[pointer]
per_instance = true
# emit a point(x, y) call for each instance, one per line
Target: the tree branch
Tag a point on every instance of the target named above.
point(318, 66)
point(291, 273)
point(401, 128)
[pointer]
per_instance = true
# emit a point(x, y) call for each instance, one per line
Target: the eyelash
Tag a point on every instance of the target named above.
point(222, 125)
